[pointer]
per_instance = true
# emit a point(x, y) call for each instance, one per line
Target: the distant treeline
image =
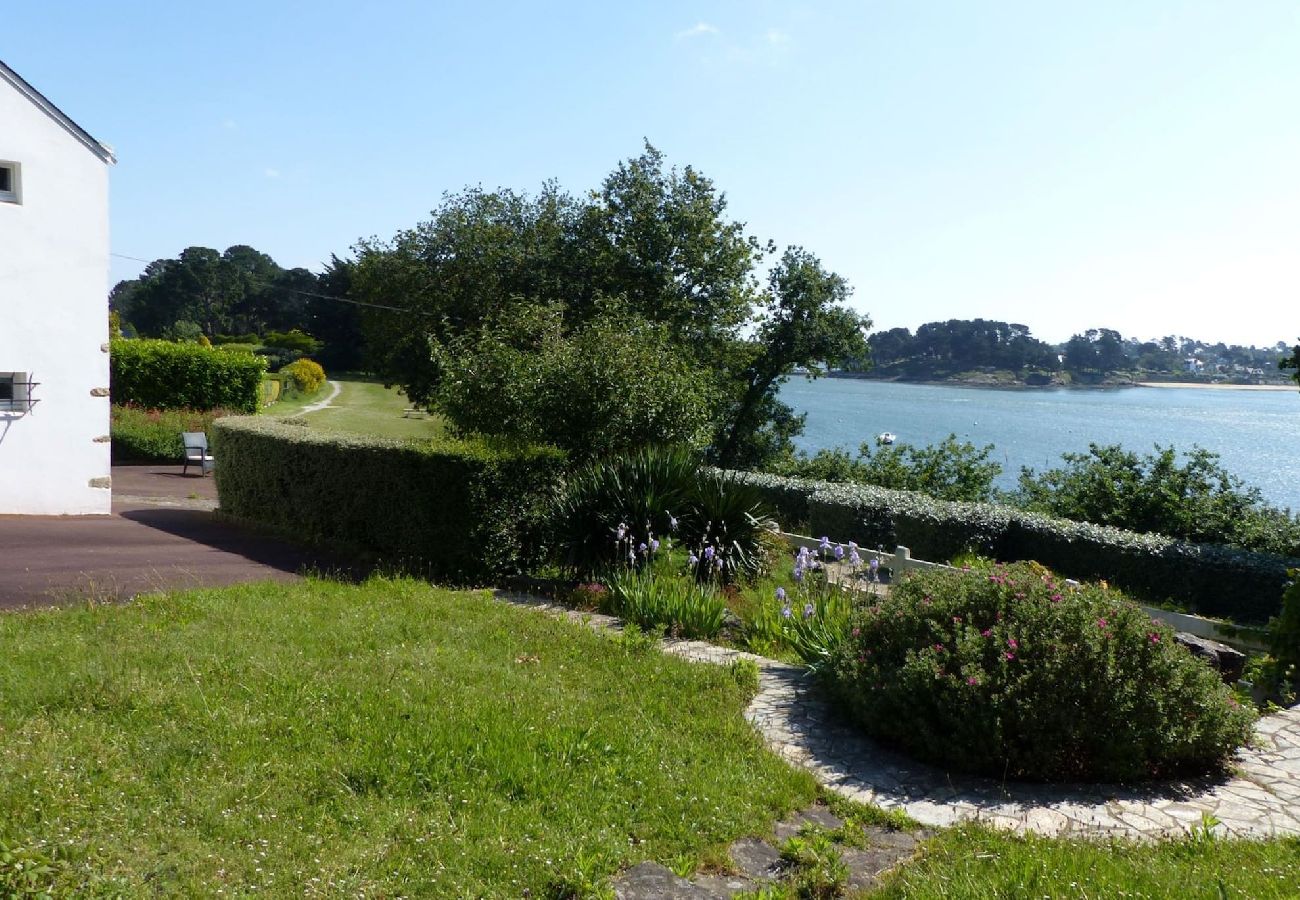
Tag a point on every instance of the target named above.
point(943, 349)
point(245, 293)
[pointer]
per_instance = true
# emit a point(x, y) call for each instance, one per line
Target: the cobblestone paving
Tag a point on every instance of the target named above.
point(1262, 798)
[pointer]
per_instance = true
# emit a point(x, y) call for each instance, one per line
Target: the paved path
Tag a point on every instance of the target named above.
point(162, 535)
point(1262, 800)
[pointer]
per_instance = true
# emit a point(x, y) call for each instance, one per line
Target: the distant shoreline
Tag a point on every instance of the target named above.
point(1216, 387)
point(1016, 385)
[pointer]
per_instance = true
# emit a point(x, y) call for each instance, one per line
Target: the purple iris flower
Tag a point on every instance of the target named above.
point(780, 594)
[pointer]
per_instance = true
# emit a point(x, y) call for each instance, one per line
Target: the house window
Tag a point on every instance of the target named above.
point(10, 188)
point(15, 392)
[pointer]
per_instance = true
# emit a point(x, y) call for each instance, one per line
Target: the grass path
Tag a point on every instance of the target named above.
point(366, 407)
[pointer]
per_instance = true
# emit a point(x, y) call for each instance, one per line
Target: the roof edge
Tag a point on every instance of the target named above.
point(102, 150)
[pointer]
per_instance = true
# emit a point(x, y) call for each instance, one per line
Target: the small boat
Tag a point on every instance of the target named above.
point(886, 437)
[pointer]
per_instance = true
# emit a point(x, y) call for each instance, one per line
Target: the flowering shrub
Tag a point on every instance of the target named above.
point(1015, 674)
point(811, 617)
point(307, 376)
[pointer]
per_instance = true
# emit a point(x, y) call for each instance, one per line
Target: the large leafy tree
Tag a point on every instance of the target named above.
point(803, 323)
point(652, 248)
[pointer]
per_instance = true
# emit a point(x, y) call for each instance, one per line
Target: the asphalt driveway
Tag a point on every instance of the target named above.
point(162, 535)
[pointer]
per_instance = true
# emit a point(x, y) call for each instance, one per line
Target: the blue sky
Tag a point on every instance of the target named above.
point(1129, 164)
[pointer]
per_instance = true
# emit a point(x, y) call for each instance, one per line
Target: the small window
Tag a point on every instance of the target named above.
point(15, 392)
point(9, 183)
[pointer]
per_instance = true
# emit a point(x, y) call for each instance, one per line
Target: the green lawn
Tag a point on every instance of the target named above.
point(976, 862)
point(365, 407)
point(384, 739)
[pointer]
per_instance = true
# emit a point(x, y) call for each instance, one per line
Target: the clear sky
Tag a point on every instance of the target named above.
point(1116, 163)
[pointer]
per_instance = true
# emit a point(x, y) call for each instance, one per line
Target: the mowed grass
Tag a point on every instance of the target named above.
point(978, 862)
point(386, 739)
point(365, 407)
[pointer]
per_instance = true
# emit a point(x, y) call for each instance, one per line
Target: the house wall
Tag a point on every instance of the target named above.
point(53, 316)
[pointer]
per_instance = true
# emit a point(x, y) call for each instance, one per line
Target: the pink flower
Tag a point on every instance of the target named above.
point(986, 632)
point(856, 632)
point(938, 648)
point(1012, 643)
point(1155, 638)
point(972, 680)
point(1056, 598)
point(1101, 623)
point(1010, 655)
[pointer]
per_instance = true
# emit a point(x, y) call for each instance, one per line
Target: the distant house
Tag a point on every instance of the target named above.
point(54, 407)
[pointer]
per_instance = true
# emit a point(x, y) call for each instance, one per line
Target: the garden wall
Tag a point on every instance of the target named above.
point(1203, 578)
point(458, 511)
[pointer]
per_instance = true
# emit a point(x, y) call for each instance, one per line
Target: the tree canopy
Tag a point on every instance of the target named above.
point(651, 254)
point(241, 291)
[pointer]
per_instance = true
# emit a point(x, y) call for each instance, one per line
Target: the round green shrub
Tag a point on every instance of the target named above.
point(1012, 673)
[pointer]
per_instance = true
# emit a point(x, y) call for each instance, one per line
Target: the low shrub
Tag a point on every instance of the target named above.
point(154, 435)
point(1012, 674)
point(644, 491)
point(727, 516)
point(459, 511)
point(307, 376)
point(629, 499)
point(156, 374)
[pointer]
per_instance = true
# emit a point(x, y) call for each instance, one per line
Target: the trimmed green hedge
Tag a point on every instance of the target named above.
point(460, 511)
point(1205, 578)
point(163, 375)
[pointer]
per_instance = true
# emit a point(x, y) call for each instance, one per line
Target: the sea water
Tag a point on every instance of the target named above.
point(1256, 433)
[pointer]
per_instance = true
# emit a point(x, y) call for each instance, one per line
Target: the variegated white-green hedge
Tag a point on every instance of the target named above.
point(1206, 578)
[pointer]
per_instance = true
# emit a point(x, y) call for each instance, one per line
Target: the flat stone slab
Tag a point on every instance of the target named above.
point(757, 860)
point(652, 881)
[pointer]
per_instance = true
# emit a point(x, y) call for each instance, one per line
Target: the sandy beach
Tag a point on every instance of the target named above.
point(1218, 387)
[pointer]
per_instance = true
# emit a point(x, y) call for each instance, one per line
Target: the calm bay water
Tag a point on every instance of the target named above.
point(1257, 433)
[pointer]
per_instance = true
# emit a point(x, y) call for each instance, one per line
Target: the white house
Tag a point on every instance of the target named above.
point(54, 407)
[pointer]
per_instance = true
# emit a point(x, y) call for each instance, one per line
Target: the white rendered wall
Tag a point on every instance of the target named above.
point(54, 317)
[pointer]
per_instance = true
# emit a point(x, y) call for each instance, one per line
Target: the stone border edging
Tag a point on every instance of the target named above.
point(1262, 800)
